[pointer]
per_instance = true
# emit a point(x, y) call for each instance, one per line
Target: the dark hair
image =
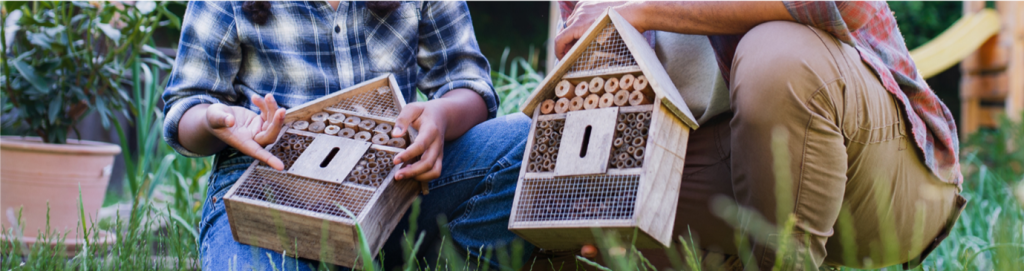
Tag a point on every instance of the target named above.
point(259, 11)
point(382, 7)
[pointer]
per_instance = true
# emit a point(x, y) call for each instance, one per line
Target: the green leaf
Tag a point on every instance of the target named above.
point(39, 83)
point(39, 39)
point(110, 31)
point(145, 7)
point(55, 108)
point(12, 5)
point(175, 21)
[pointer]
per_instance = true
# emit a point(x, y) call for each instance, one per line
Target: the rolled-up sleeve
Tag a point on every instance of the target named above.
point(449, 54)
point(207, 62)
point(834, 17)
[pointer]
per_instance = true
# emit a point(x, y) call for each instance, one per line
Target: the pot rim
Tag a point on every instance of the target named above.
point(74, 146)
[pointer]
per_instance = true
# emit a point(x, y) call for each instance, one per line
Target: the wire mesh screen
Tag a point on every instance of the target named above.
point(606, 54)
point(372, 168)
point(545, 145)
point(379, 102)
point(289, 147)
point(610, 197)
point(628, 147)
point(268, 185)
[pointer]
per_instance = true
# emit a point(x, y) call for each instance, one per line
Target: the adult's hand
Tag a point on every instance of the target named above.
point(246, 131)
point(584, 15)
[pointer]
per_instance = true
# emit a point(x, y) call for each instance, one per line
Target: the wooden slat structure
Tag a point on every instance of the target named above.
point(301, 211)
point(613, 168)
point(993, 76)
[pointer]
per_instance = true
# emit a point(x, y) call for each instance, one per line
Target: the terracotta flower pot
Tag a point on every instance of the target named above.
point(33, 173)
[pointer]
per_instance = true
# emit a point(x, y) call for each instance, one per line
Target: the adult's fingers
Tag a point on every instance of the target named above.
point(410, 113)
point(428, 134)
point(217, 116)
point(566, 39)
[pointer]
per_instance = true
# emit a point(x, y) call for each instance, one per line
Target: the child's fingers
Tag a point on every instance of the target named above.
point(271, 104)
point(217, 117)
point(262, 104)
point(271, 128)
point(428, 134)
point(427, 162)
point(410, 113)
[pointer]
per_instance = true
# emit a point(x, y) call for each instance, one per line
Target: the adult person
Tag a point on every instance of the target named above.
point(239, 64)
point(825, 92)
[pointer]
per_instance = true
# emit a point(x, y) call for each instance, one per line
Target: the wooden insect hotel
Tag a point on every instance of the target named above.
point(337, 156)
point(607, 144)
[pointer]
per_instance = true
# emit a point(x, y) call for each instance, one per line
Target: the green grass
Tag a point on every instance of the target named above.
point(167, 192)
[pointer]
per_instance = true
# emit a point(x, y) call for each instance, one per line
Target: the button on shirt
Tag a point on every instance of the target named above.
point(307, 50)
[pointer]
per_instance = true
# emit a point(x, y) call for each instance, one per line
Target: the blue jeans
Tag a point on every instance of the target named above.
point(474, 192)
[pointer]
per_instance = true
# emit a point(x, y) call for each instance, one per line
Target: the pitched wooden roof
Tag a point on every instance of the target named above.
point(642, 54)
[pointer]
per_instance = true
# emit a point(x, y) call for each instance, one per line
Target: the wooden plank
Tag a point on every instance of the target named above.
point(985, 87)
point(343, 153)
point(969, 110)
point(575, 79)
point(657, 77)
point(546, 88)
point(522, 169)
point(296, 234)
point(601, 125)
point(389, 206)
point(574, 238)
point(1013, 23)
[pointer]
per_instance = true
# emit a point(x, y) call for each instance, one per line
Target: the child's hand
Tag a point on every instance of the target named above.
point(244, 130)
point(428, 118)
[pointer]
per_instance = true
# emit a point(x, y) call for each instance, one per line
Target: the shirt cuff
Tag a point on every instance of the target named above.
point(484, 89)
point(174, 113)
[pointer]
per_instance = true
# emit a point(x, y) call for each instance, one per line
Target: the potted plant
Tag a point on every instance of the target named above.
point(60, 61)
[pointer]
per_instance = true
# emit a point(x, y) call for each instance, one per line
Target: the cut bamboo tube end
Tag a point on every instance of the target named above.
point(317, 126)
point(640, 83)
point(621, 98)
point(638, 98)
point(582, 89)
point(597, 85)
point(300, 125)
point(611, 85)
point(367, 125)
point(607, 100)
point(576, 103)
point(626, 82)
point(320, 117)
point(380, 139)
point(332, 129)
point(547, 107)
point(383, 128)
point(347, 132)
point(397, 142)
point(363, 136)
point(591, 101)
point(562, 105)
point(352, 122)
point(336, 119)
point(564, 89)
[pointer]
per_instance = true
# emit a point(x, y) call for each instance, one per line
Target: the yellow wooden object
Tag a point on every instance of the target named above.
point(956, 43)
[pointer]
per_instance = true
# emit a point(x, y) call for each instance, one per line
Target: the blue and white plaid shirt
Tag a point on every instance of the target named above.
point(307, 50)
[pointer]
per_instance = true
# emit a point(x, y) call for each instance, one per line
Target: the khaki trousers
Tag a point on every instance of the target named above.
point(805, 103)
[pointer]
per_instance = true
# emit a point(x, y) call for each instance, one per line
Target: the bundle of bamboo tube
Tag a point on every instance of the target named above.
point(598, 92)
